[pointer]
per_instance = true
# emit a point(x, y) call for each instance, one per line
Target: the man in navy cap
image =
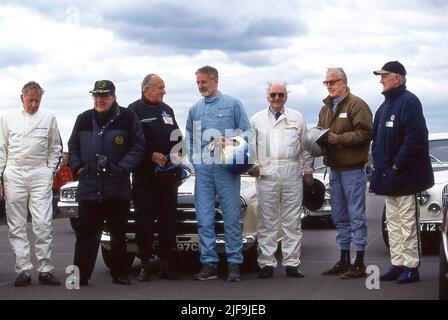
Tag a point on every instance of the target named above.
point(106, 145)
point(402, 169)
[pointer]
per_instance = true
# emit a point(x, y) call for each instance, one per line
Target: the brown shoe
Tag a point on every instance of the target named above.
point(336, 270)
point(354, 272)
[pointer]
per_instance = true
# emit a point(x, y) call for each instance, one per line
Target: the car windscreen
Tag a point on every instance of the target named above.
point(438, 149)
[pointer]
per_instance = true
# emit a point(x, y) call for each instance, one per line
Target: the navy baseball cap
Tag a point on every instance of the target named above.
point(391, 67)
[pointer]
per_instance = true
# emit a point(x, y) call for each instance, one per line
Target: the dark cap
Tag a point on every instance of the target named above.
point(391, 67)
point(103, 87)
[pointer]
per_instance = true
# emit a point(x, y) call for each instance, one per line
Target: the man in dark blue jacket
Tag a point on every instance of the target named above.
point(154, 197)
point(106, 145)
point(402, 168)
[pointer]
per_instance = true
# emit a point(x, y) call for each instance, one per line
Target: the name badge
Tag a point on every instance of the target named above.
point(168, 120)
point(389, 124)
point(343, 115)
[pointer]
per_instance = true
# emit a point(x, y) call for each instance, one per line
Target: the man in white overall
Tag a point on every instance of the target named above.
point(281, 167)
point(30, 152)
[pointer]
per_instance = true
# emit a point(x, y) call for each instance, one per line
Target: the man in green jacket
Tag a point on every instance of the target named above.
point(350, 122)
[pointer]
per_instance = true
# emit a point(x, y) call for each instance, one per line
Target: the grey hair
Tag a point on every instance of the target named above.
point(32, 85)
point(208, 70)
point(284, 84)
point(402, 78)
point(340, 71)
point(146, 83)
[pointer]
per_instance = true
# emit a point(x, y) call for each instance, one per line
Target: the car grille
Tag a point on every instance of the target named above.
point(445, 197)
point(185, 219)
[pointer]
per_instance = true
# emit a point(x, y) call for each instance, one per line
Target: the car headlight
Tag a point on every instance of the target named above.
point(434, 209)
point(423, 197)
point(68, 194)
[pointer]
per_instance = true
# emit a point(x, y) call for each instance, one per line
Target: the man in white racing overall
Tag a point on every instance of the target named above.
point(281, 166)
point(30, 152)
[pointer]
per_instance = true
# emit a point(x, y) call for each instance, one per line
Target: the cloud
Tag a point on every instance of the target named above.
point(17, 57)
point(235, 26)
point(67, 46)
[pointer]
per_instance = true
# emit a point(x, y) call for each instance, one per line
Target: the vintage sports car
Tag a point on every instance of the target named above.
point(186, 227)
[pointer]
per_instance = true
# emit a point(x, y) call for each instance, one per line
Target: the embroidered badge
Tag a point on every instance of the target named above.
point(392, 117)
point(119, 140)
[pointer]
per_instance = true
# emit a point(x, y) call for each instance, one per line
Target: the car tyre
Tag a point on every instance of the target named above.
point(107, 258)
point(250, 256)
point(443, 269)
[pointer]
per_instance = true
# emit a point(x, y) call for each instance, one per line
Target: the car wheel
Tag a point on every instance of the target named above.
point(384, 228)
point(443, 270)
point(250, 256)
point(107, 258)
point(74, 222)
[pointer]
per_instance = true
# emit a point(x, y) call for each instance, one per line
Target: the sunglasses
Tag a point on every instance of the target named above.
point(273, 95)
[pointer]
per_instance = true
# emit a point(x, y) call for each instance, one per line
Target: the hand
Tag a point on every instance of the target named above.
point(159, 158)
point(332, 138)
point(79, 171)
point(308, 179)
point(257, 171)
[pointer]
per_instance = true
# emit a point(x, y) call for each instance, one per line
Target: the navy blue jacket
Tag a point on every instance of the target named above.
point(400, 137)
point(158, 123)
point(120, 139)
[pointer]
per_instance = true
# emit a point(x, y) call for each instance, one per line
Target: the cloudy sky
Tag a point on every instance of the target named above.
point(67, 45)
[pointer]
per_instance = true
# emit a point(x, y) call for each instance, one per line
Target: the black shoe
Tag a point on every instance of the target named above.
point(84, 282)
point(233, 272)
point(124, 280)
point(48, 279)
point(266, 272)
point(294, 272)
point(24, 279)
point(144, 275)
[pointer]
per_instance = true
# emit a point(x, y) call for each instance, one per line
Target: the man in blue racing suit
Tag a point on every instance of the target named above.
point(211, 121)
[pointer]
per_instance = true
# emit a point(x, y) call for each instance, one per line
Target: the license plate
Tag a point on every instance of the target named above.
point(430, 227)
point(187, 247)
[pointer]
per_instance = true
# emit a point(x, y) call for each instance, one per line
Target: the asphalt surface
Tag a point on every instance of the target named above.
point(319, 252)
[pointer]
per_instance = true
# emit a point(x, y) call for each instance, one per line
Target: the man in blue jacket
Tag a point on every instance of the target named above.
point(402, 168)
point(106, 145)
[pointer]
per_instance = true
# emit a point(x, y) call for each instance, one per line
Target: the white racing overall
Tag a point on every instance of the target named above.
point(30, 152)
point(280, 187)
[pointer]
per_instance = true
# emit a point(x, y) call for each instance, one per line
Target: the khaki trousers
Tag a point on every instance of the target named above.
point(402, 217)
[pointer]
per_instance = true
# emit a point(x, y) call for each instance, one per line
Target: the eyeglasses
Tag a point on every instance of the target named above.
point(330, 82)
point(273, 95)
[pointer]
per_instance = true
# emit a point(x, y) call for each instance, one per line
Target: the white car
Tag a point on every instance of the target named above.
point(443, 269)
point(187, 238)
point(430, 201)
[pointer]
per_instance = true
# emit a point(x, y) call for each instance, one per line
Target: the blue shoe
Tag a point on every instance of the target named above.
point(233, 273)
point(408, 275)
point(392, 273)
point(208, 272)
